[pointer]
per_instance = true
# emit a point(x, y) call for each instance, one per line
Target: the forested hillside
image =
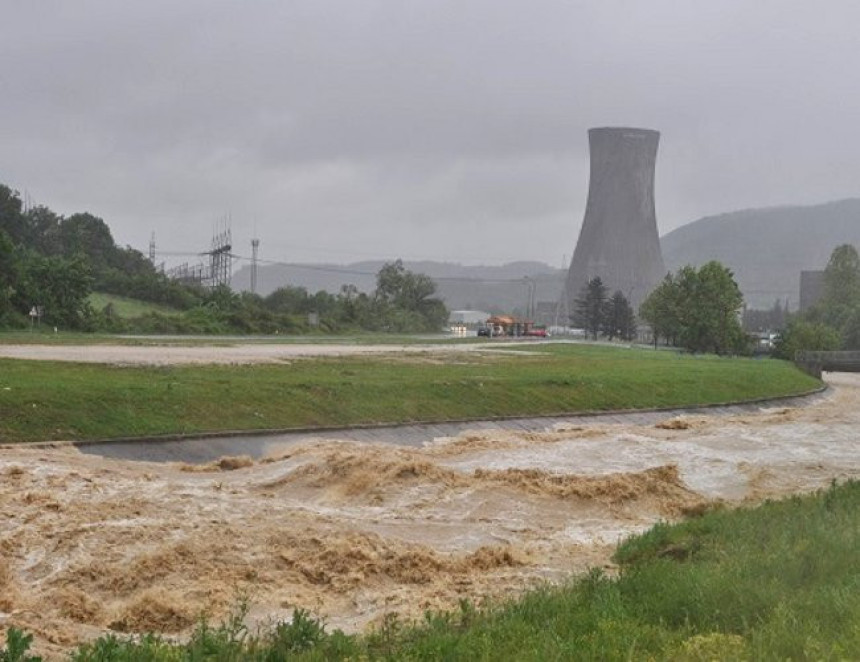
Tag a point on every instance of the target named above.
point(50, 265)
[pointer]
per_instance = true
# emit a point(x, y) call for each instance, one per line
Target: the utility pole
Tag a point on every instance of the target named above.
point(152, 249)
point(562, 309)
point(255, 246)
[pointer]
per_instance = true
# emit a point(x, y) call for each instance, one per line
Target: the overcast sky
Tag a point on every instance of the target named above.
point(352, 129)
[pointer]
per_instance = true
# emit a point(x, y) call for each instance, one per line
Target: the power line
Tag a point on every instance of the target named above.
point(548, 278)
point(356, 272)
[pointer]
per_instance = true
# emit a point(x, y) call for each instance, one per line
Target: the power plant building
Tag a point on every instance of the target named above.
point(618, 241)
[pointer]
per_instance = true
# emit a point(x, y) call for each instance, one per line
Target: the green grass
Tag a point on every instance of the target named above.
point(49, 401)
point(127, 308)
point(45, 336)
point(776, 582)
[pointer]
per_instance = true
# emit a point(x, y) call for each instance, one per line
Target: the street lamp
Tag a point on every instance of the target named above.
point(530, 296)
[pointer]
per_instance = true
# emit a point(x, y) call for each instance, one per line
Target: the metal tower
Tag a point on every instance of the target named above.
point(255, 246)
point(220, 259)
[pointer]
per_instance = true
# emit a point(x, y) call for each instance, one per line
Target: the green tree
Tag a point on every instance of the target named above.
point(79, 245)
point(842, 277)
point(396, 285)
point(841, 286)
point(9, 278)
point(59, 285)
point(711, 302)
point(803, 335)
point(290, 300)
point(661, 311)
point(11, 220)
point(699, 309)
point(839, 308)
point(85, 234)
point(851, 330)
point(43, 228)
point(619, 321)
point(354, 308)
point(590, 307)
point(405, 300)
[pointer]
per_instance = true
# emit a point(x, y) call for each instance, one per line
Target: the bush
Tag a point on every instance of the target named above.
point(801, 335)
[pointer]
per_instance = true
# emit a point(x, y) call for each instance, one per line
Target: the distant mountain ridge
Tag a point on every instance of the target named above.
point(766, 248)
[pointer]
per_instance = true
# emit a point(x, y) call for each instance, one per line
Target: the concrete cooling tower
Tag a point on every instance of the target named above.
point(618, 241)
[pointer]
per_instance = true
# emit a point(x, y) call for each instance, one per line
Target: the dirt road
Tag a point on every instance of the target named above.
point(353, 530)
point(239, 353)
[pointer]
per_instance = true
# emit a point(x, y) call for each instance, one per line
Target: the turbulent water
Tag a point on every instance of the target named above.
point(352, 530)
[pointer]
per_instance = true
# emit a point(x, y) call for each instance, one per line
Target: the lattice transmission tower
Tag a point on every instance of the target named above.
point(220, 258)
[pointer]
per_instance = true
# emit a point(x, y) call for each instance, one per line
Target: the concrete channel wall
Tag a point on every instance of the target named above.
point(206, 448)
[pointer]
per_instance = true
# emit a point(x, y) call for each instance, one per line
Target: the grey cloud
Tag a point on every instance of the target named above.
point(394, 126)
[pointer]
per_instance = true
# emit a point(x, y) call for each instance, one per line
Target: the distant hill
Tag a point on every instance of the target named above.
point(766, 248)
point(489, 288)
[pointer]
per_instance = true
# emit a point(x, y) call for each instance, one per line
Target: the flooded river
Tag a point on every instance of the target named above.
point(352, 528)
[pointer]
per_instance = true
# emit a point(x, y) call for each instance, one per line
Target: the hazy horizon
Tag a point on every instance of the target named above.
point(339, 132)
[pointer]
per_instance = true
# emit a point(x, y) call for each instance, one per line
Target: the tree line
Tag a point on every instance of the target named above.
point(697, 309)
point(601, 315)
point(50, 265)
point(700, 310)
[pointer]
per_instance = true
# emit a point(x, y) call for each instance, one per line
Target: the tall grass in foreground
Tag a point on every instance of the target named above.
point(776, 582)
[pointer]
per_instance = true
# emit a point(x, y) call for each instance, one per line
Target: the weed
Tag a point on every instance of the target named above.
point(302, 633)
point(17, 645)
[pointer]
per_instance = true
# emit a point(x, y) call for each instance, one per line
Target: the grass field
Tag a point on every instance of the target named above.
point(125, 307)
point(777, 582)
point(51, 401)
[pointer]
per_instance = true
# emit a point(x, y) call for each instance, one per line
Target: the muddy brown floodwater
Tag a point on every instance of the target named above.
point(351, 530)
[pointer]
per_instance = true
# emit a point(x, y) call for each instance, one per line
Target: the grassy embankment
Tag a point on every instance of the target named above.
point(45, 401)
point(127, 308)
point(777, 582)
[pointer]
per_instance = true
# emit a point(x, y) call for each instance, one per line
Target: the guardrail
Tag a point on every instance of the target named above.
point(813, 363)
